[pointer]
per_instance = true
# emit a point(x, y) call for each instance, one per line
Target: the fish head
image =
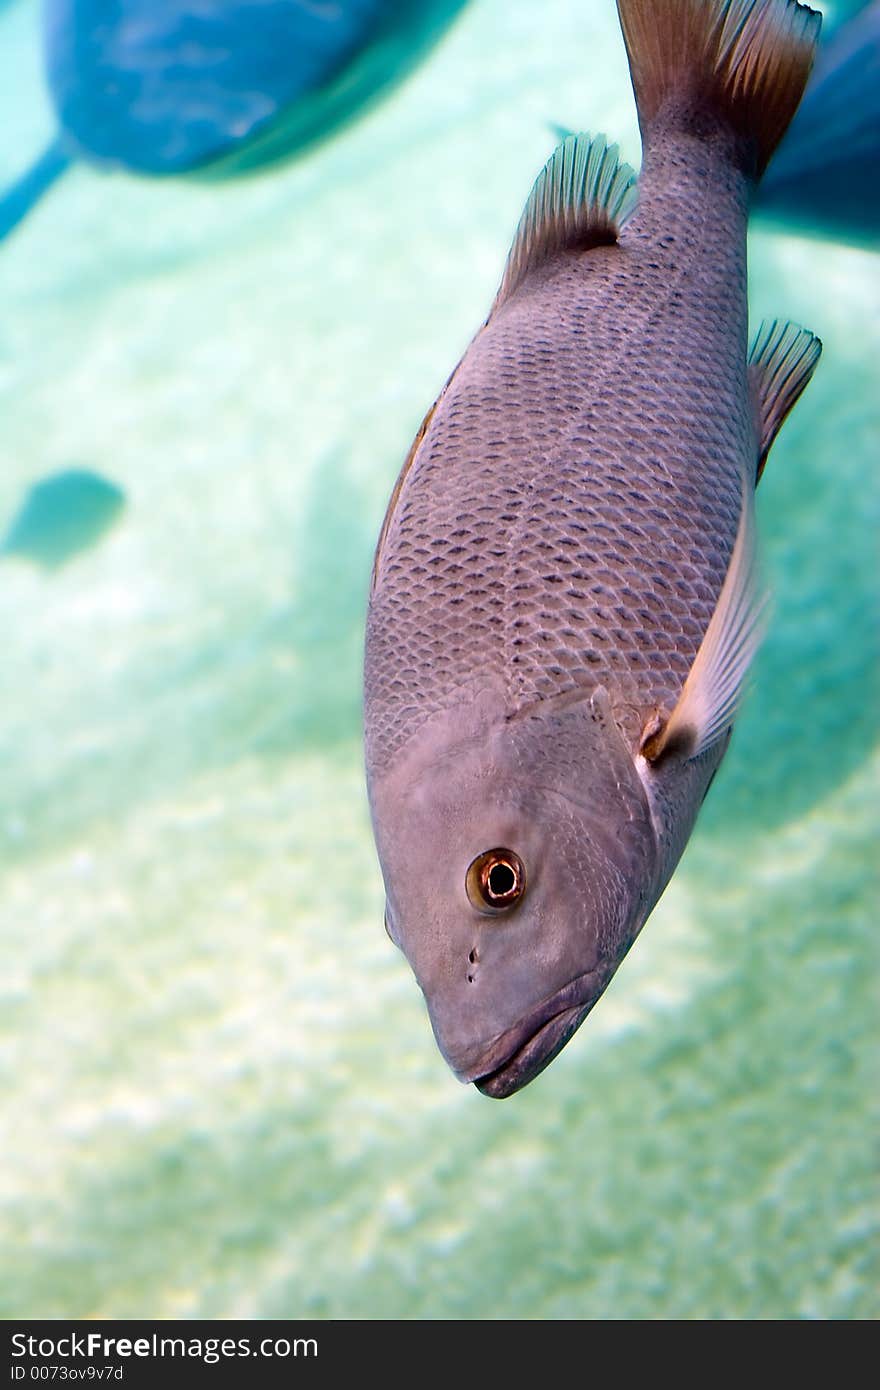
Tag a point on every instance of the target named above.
point(520, 861)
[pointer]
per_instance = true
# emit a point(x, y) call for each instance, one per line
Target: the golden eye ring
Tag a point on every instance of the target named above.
point(496, 881)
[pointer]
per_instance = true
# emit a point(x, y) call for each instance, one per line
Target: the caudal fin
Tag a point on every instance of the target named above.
point(747, 60)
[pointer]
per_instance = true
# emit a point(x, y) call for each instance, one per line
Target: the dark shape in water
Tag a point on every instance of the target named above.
point(62, 516)
point(825, 177)
point(838, 12)
point(217, 87)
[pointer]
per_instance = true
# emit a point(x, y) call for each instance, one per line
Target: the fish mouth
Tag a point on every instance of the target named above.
point(529, 1061)
point(519, 1055)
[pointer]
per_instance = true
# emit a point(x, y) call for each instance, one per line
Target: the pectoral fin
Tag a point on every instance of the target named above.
point(781, 362)
point(713, 689)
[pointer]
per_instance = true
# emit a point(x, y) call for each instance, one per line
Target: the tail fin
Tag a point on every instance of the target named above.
point(747, 59)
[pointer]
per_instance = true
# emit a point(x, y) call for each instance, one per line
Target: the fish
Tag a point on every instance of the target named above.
point(61, 516)
point(825, 178)
point(167, 88)
point(565, 597)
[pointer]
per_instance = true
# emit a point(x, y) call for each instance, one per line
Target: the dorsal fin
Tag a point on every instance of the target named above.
point(581, 198)
point(781, 362)
point(713, 689)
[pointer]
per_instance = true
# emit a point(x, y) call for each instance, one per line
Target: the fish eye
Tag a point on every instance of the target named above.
point(496, 880)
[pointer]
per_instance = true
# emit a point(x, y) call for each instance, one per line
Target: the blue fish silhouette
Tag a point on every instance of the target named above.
point(825, 176)
point(61, 516)
point(171, 87)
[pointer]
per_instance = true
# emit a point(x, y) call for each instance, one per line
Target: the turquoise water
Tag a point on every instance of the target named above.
point(219, 1094)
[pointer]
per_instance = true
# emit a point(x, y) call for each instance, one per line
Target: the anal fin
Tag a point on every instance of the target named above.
point(782, 360)
point(714, 685)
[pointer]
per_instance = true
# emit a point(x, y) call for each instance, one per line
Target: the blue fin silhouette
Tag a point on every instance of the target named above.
point(825, 177)
point(26, 192)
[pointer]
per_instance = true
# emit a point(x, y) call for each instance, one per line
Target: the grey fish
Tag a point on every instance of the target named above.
point(61, 516)
point(564, 601)
point(213, 87)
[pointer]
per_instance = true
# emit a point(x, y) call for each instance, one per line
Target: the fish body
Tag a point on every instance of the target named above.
point(61, 516)
point(171, 86)
point(564, 604)
point(213, 88)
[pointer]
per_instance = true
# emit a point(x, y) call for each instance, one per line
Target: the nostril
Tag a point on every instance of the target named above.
point(473, 957)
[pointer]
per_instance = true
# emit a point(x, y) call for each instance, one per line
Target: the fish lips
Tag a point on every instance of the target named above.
point(521, 1053)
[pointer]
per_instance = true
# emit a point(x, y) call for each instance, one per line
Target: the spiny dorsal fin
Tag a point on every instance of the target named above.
point(714, 686)
point(781, 362)
point(581, 198)
point(747, 59)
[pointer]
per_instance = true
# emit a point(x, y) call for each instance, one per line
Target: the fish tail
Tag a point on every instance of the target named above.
point(745, 61)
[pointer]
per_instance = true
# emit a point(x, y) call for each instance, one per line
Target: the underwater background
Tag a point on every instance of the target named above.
point(219, 1092)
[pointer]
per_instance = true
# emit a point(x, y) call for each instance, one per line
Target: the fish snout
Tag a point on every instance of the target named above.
point(503, 1063)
